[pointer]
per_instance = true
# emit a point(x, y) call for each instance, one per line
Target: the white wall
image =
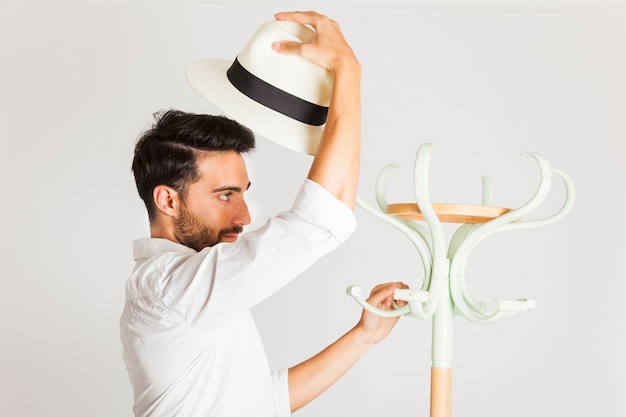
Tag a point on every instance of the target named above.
point(79, 81)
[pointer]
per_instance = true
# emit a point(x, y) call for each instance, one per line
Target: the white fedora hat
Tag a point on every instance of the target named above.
point(284, 98)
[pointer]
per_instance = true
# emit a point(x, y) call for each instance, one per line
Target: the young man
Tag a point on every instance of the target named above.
point(190, 345)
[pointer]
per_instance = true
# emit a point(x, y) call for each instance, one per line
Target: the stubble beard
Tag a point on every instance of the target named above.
point(193, 233)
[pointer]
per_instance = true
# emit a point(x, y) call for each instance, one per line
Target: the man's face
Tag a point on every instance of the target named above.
point(214, 209)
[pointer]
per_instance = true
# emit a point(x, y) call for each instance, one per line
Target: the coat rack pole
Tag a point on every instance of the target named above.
point(441, 368)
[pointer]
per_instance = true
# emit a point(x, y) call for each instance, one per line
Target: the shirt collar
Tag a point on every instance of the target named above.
point(147, 247)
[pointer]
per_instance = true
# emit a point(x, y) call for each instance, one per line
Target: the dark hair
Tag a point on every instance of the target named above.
point(166, 153)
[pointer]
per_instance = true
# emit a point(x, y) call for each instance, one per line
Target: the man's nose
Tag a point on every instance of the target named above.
point(243, 215)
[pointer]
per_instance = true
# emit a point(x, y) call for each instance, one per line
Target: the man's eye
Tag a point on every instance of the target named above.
point(225, 196)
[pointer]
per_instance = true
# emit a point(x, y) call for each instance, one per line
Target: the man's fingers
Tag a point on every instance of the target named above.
point(286, 47)
point(305, 18)
point(382, 295)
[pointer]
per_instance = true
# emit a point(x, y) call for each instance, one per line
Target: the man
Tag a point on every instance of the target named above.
point(190, 344)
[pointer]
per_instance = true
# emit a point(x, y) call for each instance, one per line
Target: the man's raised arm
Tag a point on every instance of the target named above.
point(337, 161)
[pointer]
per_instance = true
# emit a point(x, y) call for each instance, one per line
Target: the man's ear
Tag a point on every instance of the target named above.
point(166, 200)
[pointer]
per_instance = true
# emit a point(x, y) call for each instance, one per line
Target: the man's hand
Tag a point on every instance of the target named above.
point(337, 161)
point(313, 376)
point(327, 49)
point(374, 328)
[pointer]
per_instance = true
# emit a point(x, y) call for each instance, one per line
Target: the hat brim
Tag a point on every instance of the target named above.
point(208, 77)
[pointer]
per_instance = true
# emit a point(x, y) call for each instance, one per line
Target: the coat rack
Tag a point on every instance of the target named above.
point(444, 292)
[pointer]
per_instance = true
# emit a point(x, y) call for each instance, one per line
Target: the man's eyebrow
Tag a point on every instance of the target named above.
point(231, 188)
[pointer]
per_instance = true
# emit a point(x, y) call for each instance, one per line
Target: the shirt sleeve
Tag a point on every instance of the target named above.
point(318, 206)
point(282, 406)
point(227, 278)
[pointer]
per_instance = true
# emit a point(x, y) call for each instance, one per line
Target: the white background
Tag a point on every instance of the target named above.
point(484, 82)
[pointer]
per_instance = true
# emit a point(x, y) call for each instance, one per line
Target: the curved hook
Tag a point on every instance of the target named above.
point(381, 199)
point(416, 308)
point(409, 229)
point(438, 246)
point(565, 208)
point(355, 292)
point(464, 302)
point(481, 231)
point(381, 185)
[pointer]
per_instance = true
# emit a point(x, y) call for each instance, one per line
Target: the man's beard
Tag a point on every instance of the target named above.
point(193, 233)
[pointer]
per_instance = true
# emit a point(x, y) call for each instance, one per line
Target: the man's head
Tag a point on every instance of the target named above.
point(190, 174)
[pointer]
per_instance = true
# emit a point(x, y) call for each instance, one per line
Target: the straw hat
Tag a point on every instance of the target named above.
point(284, 98)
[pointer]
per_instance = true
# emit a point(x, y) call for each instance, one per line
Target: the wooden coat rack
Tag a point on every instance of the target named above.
point(444, 292)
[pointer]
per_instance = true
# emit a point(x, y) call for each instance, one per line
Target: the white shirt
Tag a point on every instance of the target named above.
point(190, 344)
